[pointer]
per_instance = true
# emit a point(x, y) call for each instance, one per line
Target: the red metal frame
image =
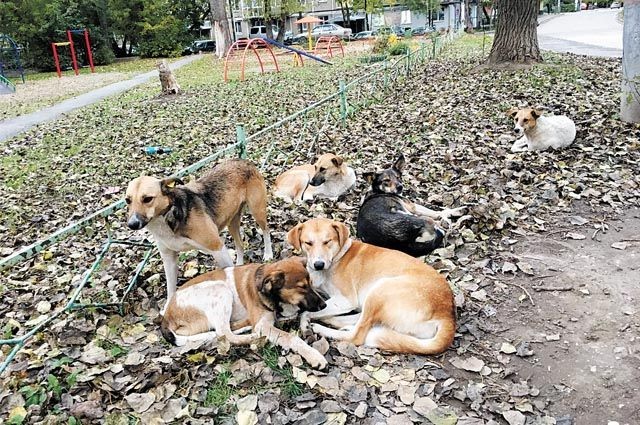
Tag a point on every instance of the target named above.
point(244, 46)
point(74, 59)
point(326, 42)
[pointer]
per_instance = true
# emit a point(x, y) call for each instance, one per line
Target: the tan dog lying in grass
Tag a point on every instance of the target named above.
point(406, 306)
point(329, 177)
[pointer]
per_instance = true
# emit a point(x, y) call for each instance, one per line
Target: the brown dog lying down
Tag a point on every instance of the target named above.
point(328, 177)
point(204, 307)
point(406, 306)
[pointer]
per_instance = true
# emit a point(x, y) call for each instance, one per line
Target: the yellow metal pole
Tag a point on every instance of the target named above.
point(309, 35)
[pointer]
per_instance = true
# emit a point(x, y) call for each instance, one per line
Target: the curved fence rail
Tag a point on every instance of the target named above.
point(274, 148)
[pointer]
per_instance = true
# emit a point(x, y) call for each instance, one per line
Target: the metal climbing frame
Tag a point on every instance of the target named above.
point(10, 57)
point(242, 47)
point(316, 119)
point(326, 45)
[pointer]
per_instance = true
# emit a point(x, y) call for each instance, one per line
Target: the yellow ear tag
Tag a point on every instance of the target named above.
point(171, 184)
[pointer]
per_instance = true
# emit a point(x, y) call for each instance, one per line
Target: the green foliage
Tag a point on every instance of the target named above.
point(33, 395)
point(399, 48)
point(220, 391)
point(289, 385)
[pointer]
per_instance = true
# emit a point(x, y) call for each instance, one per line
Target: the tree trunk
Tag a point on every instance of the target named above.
point(630, 102)
point(220, 26)
point(468, 25)
point(516, 39)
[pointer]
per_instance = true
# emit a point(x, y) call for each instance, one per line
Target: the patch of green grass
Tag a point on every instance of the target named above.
point(290, 387)
point(114, 349)
point(220, 391)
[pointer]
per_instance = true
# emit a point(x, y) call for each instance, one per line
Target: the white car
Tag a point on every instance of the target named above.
point(615, 5)
point(329, 30)
point(260, 31)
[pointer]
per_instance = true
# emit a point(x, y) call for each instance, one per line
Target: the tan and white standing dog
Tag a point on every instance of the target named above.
point(328, 177)
point(249, 295)
point(185, 217)
point(540, 132)
point(406, 306)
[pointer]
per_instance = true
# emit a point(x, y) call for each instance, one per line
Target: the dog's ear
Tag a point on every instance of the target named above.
point(169, 183)
point(293, 236)
point(337, 161)
point(399, 164)
point(368, 176)
point(535, 113)
point(272, 282)
point(512, 112)
point(343, 232)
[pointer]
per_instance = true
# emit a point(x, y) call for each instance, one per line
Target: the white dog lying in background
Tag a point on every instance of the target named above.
point(540, 132)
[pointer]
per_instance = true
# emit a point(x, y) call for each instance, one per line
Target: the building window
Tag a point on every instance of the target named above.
point(439, 15)
point(405, 17)
point(238, 26)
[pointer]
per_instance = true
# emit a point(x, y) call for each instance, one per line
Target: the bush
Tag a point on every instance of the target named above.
point(381, 44)
point(399, 48)
point(166, 38)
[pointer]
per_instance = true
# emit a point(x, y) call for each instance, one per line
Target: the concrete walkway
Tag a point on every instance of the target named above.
point(14, 126)
point(588, 32)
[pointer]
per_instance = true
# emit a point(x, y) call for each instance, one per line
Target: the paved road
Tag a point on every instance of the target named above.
point(588, 32)
point(15, 126)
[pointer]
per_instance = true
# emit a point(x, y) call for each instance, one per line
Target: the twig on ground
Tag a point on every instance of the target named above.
point(523, 288)
point(552, 288)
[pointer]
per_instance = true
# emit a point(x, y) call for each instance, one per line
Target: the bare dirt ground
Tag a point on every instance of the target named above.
point(584, 336)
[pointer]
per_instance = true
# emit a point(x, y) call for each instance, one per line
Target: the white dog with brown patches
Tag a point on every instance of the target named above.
point(329, 177)
point(222, 301)
point(540, 132)
point(406, 306)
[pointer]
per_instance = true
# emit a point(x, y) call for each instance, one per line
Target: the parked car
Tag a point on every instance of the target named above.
point(615, 5)
point(329, 30)
point(364, 35)
point(260, 31)
point(422, 30)
point(200, 46)
point(288, 38)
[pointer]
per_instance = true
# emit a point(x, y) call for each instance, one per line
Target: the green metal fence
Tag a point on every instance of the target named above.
point(273, 148)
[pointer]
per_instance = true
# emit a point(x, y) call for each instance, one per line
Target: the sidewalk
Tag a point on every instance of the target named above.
point(14, 126)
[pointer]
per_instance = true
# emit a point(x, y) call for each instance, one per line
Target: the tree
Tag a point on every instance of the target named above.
point(468, 25)
point(220, 26)
point(345, 7)
point(630, 102)
point(516, 39)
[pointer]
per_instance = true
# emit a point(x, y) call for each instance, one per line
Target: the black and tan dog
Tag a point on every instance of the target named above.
point(183, 217)
point(389, 220)
point(203, 308)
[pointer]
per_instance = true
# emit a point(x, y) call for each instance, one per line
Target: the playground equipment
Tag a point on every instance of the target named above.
point(308, 20)
point(237, 54)
point(74, 60)
point(9, 63)
point(325, 45)
point(241, 48)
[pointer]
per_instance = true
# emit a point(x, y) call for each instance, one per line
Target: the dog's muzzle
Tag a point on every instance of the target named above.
point(517, 130)
point(317, 180)
point(318, 265)
point(313, 302)
point(136, 222)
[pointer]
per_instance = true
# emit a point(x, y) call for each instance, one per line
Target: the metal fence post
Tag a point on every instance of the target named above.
point(343, 102)
point(407, 68)
point(241, 137)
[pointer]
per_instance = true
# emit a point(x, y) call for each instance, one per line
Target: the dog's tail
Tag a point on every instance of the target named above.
point(389, 339)
point(180, 340)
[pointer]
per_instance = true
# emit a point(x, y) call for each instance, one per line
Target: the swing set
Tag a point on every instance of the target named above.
point(74, 60)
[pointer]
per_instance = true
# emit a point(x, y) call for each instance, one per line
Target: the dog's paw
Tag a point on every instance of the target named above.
point(316, 360)
point(304, 323)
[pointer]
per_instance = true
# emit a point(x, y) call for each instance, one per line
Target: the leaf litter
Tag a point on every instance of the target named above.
point(450, 124)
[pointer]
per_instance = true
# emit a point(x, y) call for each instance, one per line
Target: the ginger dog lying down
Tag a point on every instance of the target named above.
point(203, 308)
point(329, 177)
point(406, 306)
